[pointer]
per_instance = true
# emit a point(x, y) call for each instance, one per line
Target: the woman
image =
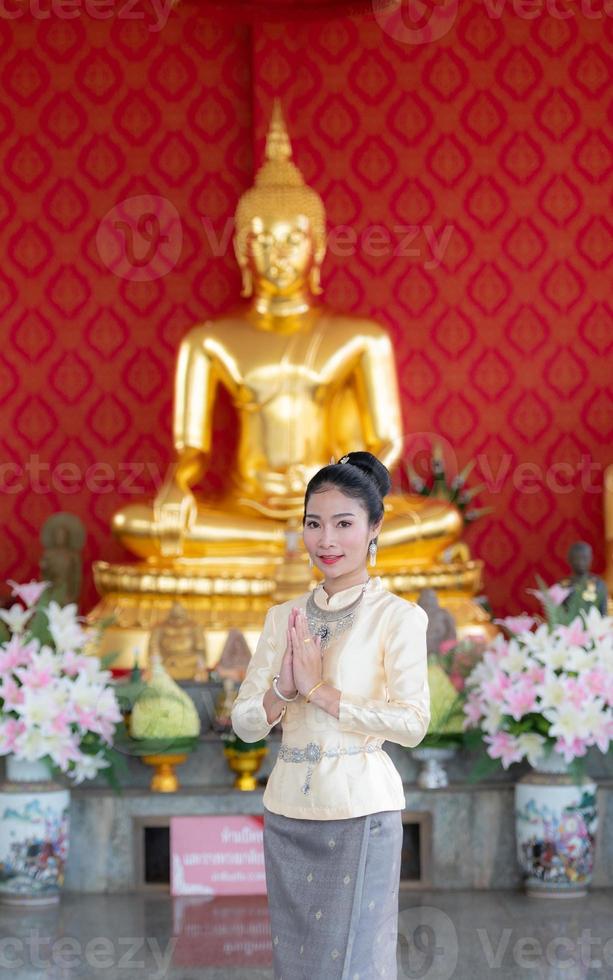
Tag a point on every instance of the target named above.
point(345, 668)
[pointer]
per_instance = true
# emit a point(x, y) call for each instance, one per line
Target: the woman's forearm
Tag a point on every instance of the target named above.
point(328, 698)
point(273, 706)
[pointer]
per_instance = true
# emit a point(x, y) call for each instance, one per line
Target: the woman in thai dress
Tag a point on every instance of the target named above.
point(344, 668)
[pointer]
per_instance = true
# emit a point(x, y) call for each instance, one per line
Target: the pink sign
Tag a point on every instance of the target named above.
point(217, 856)
point(233, 929)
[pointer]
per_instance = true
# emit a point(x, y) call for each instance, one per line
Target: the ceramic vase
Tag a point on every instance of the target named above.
point(34, 821)
point(432, 773)
point(555, 822)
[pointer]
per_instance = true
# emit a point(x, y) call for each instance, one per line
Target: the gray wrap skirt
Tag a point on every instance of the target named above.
point(333, 895)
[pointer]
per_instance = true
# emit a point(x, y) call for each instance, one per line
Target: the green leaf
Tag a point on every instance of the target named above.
point(440, 740)
point(473, 491)
point(484, 766)
point(232, 741)
point(38, 626)
point(108, 659)
point(466, 471)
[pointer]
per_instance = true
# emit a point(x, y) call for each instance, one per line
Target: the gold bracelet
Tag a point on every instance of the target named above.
point(307, 697)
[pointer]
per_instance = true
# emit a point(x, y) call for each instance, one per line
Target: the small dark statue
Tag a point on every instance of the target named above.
point(62, 537)
point(441, 624)
point(589, 587)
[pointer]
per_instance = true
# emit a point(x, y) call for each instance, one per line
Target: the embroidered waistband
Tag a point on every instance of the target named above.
point(313, 753)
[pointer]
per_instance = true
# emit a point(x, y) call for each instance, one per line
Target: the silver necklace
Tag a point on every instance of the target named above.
point(327, 624)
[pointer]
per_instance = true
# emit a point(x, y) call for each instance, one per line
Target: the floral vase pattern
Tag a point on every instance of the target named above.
point(34, 815)
point(556, 822)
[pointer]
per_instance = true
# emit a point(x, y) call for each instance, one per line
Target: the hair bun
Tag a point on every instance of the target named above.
point(373, 468)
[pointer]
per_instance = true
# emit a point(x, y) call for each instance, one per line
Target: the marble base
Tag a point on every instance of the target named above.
point(472, 842)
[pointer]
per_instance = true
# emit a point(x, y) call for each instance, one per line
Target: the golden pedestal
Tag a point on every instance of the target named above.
point(245, 765)
point(137, 597)
point(164, 779)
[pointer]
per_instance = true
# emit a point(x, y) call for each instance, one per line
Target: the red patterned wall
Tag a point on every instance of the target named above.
point(497, 134)
point(98, 112)
point(493, 142)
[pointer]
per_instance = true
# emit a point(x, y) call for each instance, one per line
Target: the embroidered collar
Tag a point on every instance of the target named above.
point(345, 597)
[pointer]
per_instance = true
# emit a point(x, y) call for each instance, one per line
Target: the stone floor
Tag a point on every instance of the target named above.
point(442, 935)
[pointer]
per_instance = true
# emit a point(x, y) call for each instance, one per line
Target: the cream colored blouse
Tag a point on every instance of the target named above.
point(380, 667)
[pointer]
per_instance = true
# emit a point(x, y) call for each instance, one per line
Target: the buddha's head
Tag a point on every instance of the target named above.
point(280, 224)
point(580, 557)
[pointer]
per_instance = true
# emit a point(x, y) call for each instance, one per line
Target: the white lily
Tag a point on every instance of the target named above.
point(567, 722)
point(16, 618)
point(492, 719)
point(552, 691)
point(555, 656)
point(515, 659)
point(579, 659)
point(64, 626)
point(31, 745)
point(88, 767)
point(531, 744)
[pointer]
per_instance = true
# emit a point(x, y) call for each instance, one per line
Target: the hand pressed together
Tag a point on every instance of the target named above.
point(301, 665)
point(306, 653)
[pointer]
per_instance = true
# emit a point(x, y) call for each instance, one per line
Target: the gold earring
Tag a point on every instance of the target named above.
point(314, 281)
point(247, 278)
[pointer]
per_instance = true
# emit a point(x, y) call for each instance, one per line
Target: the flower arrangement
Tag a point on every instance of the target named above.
point(56, 704)
point(546, 684)
point(447, 673)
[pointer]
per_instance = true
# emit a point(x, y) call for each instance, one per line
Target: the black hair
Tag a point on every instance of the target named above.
point(360, 475)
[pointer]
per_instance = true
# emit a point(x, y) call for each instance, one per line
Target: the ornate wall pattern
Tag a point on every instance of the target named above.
point(96, 113)
point(474, 173)
point(498, 136)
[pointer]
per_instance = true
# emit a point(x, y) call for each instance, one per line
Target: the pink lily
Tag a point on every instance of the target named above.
point(16, 654)
point(11, 693)
point(572, 748)
point(10, 729)
point(503, 746)
point(520, 699)
point(29, 592)
point(517, 624)
point(575, 634)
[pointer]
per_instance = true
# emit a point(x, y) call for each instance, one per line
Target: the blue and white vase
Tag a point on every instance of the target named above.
point(555, 821)
point(34, 814)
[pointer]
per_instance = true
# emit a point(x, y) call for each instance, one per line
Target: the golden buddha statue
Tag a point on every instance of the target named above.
point(308, 385)
point(179, 642)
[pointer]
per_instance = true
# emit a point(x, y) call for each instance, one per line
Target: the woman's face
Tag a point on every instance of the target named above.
point(337, 533)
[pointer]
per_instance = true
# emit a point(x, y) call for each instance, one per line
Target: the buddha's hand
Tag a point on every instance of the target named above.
point(175, 511)
point(286, 683)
